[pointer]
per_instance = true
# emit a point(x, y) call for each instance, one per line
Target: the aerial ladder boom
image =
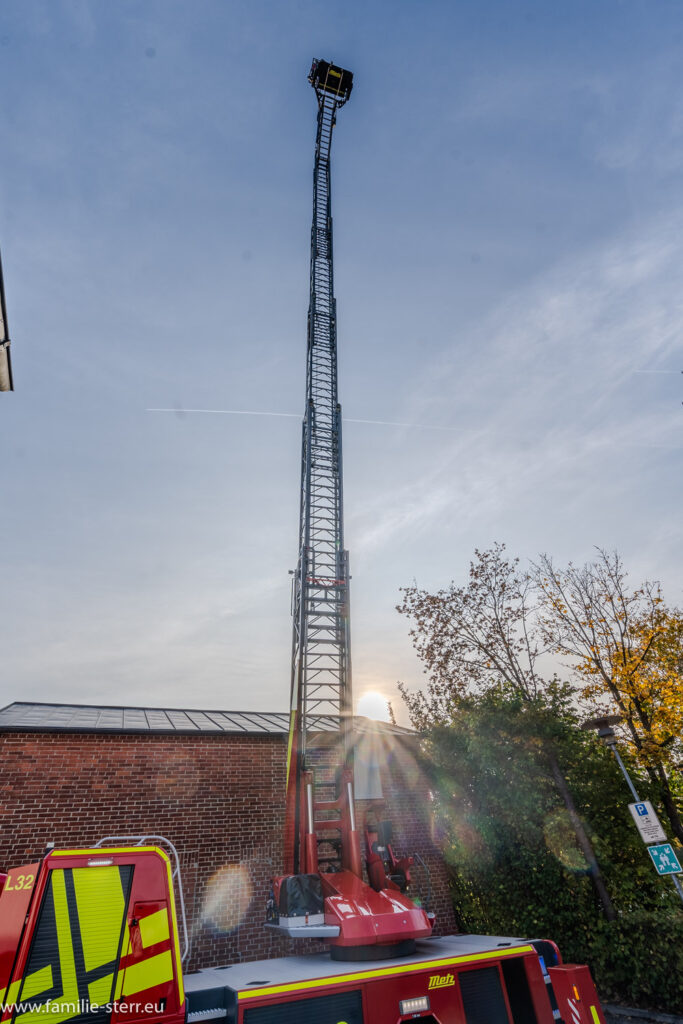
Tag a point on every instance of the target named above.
point(323, 893)
point(321, 669)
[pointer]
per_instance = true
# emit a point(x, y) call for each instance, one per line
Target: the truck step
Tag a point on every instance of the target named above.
point(218, 1013)
point(311, 931)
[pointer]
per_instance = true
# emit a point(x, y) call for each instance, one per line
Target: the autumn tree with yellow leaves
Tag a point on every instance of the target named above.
point(625, 649)
point(484, 638)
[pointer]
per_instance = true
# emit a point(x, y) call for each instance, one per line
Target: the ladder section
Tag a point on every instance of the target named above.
point(321, 671)
point(331, 841)
point(327, 813)
point(322, 571)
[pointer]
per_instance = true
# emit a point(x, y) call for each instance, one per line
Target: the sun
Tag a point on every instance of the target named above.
point(373, 705)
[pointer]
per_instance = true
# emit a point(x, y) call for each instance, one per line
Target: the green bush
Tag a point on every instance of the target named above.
point(515, 865)
point(638, 960)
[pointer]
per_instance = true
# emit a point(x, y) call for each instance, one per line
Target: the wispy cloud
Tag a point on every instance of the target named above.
point(542, 393)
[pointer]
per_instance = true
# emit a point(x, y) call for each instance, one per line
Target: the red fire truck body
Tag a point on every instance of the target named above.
point(92, 936)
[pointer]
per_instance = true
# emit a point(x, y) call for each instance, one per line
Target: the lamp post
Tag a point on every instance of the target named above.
point(603, 727)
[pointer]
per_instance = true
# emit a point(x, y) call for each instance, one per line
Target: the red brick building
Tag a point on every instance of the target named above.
point(213, 783)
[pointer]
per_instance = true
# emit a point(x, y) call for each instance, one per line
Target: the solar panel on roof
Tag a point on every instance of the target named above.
point(158, 720)
point(92, 718)
point(111, 717)
point(236, 724)
point(201, 720)
point(273, 722)
point(220, 720)
point(180, 720)
point(134, 719)
point(259, 721)
point(87, 717)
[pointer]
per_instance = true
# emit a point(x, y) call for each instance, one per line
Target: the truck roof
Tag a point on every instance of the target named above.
point(307, 972)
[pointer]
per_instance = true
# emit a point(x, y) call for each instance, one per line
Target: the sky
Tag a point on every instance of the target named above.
point(508, 209)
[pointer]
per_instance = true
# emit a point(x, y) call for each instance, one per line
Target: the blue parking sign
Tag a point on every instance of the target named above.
point(664, 859)
point(641, 809)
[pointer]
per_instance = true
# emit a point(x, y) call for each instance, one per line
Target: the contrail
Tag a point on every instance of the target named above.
point(297, 416)
point(392, 423)
point(228, 412)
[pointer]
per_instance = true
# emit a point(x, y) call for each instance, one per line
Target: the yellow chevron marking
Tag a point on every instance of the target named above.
point(99, 992)
point(176, 940)
point(67, 1003)
point(125, 951)
point(99, 897)
point(154, 928)
point(13, 992)
point(148, 973)
point(36, 983)
point(292, 716)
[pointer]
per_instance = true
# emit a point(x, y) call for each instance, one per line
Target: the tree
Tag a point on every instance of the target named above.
point(516, 867)
point(480, 639)
point(626, 649)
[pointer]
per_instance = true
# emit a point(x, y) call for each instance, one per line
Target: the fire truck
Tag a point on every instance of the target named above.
point(91, 936)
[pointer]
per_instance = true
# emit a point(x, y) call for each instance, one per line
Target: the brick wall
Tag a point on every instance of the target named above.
point(219, 799)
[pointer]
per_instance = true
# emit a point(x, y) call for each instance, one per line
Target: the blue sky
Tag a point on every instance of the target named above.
point(508, 202)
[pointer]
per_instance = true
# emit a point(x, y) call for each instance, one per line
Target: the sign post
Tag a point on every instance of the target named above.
point(642, 811)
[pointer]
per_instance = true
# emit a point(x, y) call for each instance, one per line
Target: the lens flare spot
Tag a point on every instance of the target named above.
point(470, 844)
point(560, 839)
point(227, 896)
point(373, 705)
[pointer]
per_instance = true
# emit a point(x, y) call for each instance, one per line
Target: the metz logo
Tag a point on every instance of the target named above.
point(441, 981)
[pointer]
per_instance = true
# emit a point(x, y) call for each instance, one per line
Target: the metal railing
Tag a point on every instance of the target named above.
point(169, 847)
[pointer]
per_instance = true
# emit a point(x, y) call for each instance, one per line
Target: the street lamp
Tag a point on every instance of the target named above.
point(603, 727)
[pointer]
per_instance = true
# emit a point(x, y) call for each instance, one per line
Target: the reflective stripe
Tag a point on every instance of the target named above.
point(37, 982)
point(176, 940)
point(292, 716)
point(68, 1000)
point(156, 970)
point(595, 1015)
point(13, 991)
point(104, 851)
point(154, 928)
point(119, 983)
point(575, 1012)
point(99, 992)
point(388, 972)
point(125, 951)
point(99, 897)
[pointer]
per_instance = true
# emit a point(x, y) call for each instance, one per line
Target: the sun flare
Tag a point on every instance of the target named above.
point(373, 705)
